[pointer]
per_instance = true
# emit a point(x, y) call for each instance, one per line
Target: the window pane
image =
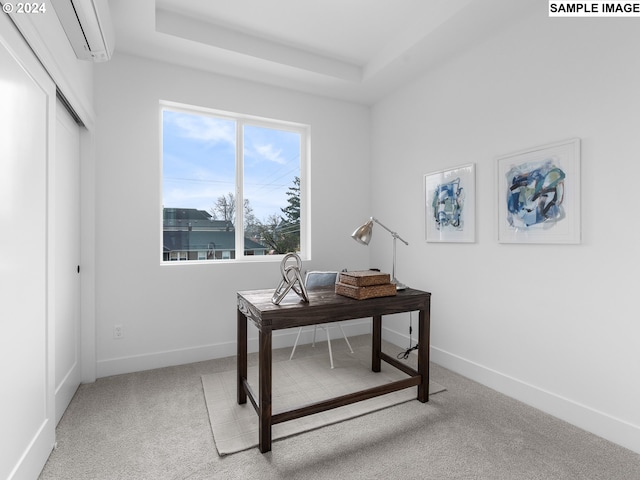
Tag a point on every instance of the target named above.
point(209, 212)
point(198, 185)
point(271, 189)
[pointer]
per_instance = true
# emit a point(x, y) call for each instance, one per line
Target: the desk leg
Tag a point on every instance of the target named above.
point(265, 358)
point(241, 358)
point(376, 344)
point(424, 326)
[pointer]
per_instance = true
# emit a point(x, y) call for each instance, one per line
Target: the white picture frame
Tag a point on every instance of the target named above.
point(538, 194)
point(450, 205)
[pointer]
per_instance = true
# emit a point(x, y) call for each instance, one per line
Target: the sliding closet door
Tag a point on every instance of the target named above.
point(27, 106)
point(66, 228)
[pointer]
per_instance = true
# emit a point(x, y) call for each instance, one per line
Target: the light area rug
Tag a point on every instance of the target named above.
point(296, 383)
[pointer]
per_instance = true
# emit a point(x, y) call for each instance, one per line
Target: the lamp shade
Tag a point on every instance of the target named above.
point(363, 233)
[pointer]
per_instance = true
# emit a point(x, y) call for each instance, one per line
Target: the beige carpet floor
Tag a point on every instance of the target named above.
point(154, 425)
point(298, 382)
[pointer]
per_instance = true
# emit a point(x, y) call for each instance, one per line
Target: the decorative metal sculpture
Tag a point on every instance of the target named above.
point(291, 280)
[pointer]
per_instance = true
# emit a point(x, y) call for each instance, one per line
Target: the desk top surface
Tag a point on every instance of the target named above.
point(324, 306)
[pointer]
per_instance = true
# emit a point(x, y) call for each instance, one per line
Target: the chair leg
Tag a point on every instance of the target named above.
point(296, 343)
point(345, 337)
point(326, 329)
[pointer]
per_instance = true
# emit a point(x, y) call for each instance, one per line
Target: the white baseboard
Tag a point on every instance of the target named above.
point(281, 339)
point(599, 423)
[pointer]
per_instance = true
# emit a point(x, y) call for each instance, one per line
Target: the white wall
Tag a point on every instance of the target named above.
point(180, 313)
point(555, 326)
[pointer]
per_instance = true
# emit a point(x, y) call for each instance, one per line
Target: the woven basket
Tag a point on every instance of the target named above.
point(362, 293)
point(364, 278)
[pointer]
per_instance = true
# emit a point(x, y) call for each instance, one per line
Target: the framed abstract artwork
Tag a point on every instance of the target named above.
point(539, 194)
point(450, 205)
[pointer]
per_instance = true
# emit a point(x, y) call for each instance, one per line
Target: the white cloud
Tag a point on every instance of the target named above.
point(205, 129)
point(269, 153)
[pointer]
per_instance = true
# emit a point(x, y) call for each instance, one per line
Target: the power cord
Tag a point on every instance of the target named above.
point(404, 355)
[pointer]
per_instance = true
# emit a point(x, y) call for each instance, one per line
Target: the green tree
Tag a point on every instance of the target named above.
point(279, 232)
point(282, 233)
point(292, 211)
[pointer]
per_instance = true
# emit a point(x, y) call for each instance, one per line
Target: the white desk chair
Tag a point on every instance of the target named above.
point(316, 279)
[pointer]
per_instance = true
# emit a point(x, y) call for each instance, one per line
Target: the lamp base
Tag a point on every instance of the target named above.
point(399, 285)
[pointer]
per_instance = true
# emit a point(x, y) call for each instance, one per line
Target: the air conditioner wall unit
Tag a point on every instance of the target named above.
point(88, 26)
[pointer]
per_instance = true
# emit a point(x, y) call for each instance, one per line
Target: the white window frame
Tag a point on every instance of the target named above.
point(241, 121)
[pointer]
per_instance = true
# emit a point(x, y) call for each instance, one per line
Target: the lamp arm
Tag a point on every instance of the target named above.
point(394, 234)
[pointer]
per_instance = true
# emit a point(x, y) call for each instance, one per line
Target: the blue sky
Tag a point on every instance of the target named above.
point(199, 163)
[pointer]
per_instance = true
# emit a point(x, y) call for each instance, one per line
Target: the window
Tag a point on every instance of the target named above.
point(233, 186)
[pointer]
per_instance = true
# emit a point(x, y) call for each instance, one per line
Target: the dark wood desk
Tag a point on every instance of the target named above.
point(325, 306)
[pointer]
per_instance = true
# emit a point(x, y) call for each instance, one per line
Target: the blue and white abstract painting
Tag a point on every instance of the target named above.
point(535, 194)
point(539, 194)
point(450, 205)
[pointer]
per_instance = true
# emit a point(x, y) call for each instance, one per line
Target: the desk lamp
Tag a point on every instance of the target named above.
point(363, 235)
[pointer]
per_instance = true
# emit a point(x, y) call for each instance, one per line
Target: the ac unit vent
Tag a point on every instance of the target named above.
point(88, 26)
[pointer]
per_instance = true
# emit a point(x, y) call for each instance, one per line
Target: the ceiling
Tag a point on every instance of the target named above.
point(356, 50)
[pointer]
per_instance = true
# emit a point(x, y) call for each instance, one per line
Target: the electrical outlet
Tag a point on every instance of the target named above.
point(118, 332)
